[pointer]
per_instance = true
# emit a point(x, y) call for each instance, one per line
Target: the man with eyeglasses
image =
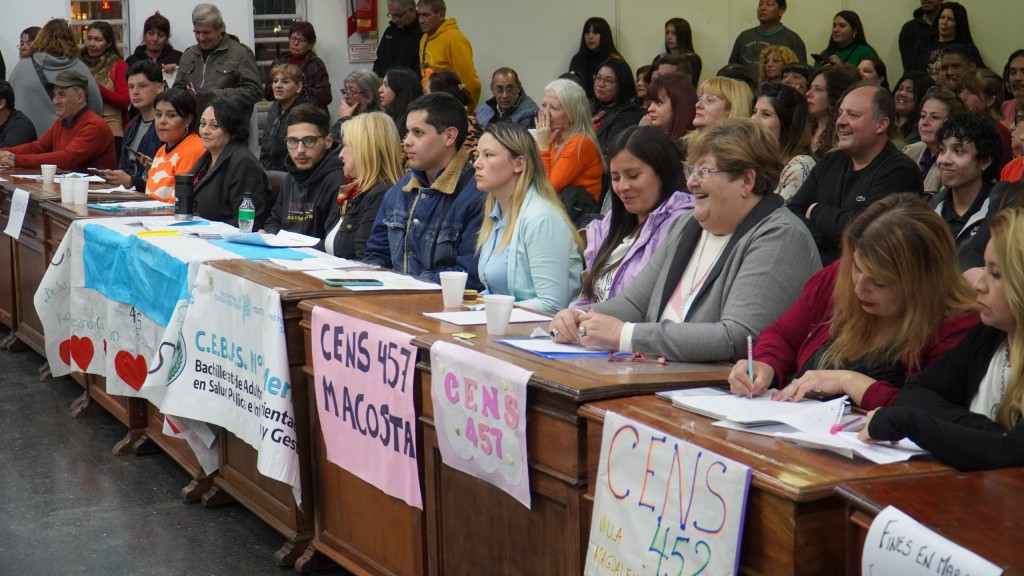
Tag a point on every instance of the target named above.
point(306, 201)
point(509, 104)
point(444, 47)
point(769, 32)
point(400, 44)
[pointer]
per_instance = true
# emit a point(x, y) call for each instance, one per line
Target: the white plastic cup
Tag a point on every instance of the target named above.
point(67, 191)
point(81, 186)
point(453, 284)
point(49, 171)
point(499, 311)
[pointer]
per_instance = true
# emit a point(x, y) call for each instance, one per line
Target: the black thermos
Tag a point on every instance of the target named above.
point(183, 198)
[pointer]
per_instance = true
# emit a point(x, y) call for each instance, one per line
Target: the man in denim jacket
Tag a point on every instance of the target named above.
point(428, 222)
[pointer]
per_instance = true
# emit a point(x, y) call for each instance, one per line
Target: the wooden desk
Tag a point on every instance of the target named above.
point(795, 524)
point(469, 526)
point(981, 511)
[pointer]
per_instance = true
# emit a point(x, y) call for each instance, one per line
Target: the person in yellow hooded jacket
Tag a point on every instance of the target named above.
point(444, 47)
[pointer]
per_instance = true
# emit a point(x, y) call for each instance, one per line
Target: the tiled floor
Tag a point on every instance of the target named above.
point(69, 506)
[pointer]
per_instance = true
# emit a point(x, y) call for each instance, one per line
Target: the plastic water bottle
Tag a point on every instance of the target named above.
point(246, 214)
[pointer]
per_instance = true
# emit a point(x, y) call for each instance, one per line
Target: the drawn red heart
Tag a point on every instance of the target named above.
point(65, 351)
point(131, 369)
point(82, 351)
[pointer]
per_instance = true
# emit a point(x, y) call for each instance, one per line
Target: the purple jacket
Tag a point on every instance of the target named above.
point(651, 234)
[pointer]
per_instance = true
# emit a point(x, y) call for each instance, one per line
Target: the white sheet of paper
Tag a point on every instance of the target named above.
point(120, 188)
point(19, 206)
point(479, 318)
point(807, 415)
point(324, 262)
point(545, 345)
point(847, 444)
point(282, 239)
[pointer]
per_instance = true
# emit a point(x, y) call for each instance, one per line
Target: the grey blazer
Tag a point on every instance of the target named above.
point(758, 277)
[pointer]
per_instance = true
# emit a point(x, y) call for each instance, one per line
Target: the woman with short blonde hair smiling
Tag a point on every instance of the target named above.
point(719, 98)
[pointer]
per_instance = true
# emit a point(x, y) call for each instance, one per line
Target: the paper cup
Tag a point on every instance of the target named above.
point(49, 171)
point(81, 187)
point(67, 191)
point(452, 285)
point(499, 310)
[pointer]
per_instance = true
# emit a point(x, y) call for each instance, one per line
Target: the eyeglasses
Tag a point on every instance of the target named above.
point(640, 357)
point(697, 173)
point(307, 142)
point(396, 17)
point(604, 80)
point(499, 90)
point(298, 39)
point(348, 92)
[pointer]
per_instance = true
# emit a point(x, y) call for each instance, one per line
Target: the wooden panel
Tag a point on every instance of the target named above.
point(7, 292)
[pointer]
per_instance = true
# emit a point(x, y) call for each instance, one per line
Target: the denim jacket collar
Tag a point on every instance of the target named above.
point(447, 182)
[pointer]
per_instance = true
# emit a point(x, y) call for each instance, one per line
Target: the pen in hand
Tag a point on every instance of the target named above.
point(836, 429)
point(750, 365)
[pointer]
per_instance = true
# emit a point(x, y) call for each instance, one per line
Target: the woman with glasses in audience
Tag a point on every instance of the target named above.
point(371, 155)
point(287, 82)
point(614, 104)
point(965, 409)
point(399, 87)
point(673, 104)
point(568, 144)
point(228, 170)
point(783, 111)
point(826, 88)
point(719, 98)
point(910, 90)
point(527, 247)
point(647, 183)
point(937, 105)
point(892, 305)
point(316, 83)
point(361, 93)
point(596, 46)
point(725, 270)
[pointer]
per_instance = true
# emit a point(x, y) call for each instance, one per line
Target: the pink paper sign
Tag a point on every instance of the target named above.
point(480, 416)
point(364, 393)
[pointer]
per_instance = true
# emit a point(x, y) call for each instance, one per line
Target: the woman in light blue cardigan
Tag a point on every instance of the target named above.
point(527, 246)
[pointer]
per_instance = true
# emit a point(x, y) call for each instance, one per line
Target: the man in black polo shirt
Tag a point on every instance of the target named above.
point(865, 168)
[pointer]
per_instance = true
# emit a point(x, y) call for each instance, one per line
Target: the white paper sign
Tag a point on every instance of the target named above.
point(898, 545)
point(19, 206)
point(663, 505)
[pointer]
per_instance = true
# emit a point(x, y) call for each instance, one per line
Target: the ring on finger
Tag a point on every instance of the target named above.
point(582, 331)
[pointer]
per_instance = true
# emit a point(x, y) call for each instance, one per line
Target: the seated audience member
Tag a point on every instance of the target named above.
point(1004, 195)
point(848, 44)
point(772, 62)
point(954, 62)
point(360, 93)
point(596, 47)
point(643, 78)
point(227, 170)
point(671, 64)
point(726, 270)
point(865, 168)
point(141, 140)
point(286, 82)
point(936, 106)
point(527, 246)
point(739, 74)
point(371, 154)
point(614, 105)
point(719, 98)
point(1014, 169)
point(647, 179)
point(1013, 76)
point(509, 103)
point(448, 82)
point(982, 91)
point(797, 76)
point(892, 305)
point(15, 127)
point(306, 202)
point(79, 138)
point(823, 96)
point(398, 88)
point(679, 42)
point(568, 144)
point(316, 82)
point(428, 222)
point(910, 91)
point(968, 151)
point(966, 408)
point(872, 71)
point(176, 124)
point(673, 105)
point(784, 112)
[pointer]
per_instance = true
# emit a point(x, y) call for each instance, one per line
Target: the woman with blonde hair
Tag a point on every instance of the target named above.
point(527, 247)
point(719, 98)
point(567, 141)
point(773, 59)
point(892, 305)
point(54, 50)
point(966, 408)
point(372, 156)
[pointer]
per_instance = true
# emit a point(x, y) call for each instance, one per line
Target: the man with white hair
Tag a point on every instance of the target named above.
point(218, 63)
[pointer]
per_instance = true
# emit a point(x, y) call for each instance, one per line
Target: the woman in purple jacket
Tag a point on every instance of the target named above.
point(646, 172)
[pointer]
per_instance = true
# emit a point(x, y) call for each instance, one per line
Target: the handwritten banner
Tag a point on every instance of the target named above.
point(664, 506)
point(16, 214)
point(365, 401)
point(230, 368)
point(480, 416)
point(898, 545)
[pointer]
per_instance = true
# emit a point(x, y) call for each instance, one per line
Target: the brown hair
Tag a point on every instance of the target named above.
point(55, 39)
point(740, 144)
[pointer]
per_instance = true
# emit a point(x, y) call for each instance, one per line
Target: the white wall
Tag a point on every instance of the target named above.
point(538, 37)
